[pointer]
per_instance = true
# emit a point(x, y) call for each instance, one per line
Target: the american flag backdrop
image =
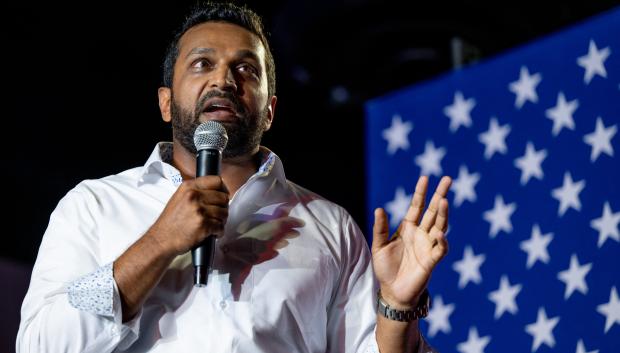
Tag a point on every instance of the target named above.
point(531, 140)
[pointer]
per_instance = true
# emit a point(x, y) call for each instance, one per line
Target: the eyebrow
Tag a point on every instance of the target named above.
point(244, 53)
point(200, 51)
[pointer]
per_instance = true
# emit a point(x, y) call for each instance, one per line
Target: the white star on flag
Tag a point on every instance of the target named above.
point(430, 161)
point(494, 139)
point(397, 208)
point(594, 62)
point(562, 114)
point(607, 225)
point(530, 163)
point(397, 135)
point(525, 87)
point(581, 348)
point(463, 186)
point(600, 139)
point(499, 216)
point(575, 277)
point(459, 111)
point(568, 194)
point(505, 297)
point(469, 267)
point(542, 330)
point(536, 246)
point(439, 317)
point(474, 343)
point(611, 310)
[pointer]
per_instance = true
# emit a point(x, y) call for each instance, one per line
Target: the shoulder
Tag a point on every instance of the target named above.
point(317, 203)
point(325, 212)
point(90, 193)
point(128, 178)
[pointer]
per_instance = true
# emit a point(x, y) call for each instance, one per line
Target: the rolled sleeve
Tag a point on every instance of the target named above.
point(94, 292)
point(97, 293)
point(72, 303)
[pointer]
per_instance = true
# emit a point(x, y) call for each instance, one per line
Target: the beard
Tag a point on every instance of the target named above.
point(244, 135)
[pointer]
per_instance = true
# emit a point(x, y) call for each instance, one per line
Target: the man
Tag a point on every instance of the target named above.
point(291, 272)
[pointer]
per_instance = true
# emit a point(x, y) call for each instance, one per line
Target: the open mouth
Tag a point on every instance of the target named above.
point(215, 108)
point(220, 109)
point(217, 103)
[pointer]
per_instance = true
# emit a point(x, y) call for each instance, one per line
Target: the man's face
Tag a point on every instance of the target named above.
point(220, 75)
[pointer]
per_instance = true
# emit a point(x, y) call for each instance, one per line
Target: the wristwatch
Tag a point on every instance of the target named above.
point(420, 311)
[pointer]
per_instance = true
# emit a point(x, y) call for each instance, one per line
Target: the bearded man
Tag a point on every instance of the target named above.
point(291, 270)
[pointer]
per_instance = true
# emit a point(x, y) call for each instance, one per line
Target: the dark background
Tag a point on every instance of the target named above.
point(80, 90)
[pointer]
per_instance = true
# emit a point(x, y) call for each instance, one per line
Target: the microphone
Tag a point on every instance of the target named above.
point(210, 139)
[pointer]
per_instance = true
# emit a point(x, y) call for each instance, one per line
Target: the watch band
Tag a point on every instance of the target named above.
point(420, 311)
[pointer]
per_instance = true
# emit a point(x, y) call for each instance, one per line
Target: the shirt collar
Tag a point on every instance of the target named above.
point(271, 165)
point(160, 162)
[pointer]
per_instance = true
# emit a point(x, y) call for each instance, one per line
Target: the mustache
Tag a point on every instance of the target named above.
point(234, 100)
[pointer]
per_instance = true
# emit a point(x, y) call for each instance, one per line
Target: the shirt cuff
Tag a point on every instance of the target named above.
point(97, 293)
point(94, 292)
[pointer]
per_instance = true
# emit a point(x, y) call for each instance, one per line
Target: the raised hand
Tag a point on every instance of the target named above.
point(404, 262)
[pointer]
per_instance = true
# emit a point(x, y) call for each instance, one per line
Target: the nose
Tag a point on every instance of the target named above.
point(224, 79)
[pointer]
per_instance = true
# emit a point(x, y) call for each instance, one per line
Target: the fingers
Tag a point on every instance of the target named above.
point(212, 197)
point(416, 207)
point(380, 230)
point(216, 212)
point(440, 248)
point(441, 222)
point(431, 213)
point(417, 202)
point(214, 208)
point(208, 182)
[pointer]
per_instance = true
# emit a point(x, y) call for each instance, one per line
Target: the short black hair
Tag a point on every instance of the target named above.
point(220, 12)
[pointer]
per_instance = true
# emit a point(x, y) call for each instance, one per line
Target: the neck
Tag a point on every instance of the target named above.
point(235, 171)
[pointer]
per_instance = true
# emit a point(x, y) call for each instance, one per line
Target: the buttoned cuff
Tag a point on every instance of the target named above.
point(94, 292)
point(97, 293)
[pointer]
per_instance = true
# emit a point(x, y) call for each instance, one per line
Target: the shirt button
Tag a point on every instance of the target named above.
point(225, 249)
point(223, 304)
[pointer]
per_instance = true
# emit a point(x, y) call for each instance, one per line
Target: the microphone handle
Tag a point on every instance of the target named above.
point(208, 162)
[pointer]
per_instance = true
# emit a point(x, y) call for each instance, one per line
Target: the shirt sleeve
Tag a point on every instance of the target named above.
point(351, 316)
point(73, 303)
point(94, 292)
point(352, 313)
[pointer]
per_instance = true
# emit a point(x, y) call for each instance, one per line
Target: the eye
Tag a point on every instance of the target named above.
point(201, 63)
point(247, 68)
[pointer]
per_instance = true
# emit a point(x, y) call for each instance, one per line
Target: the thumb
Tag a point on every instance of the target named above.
point(380, 230)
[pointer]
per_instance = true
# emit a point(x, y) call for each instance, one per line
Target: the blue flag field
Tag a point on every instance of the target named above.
point(531, 140)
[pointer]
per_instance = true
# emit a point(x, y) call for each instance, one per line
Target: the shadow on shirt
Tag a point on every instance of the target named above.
point(252, 240)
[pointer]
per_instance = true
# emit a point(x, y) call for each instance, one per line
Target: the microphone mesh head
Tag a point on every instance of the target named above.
point(210, 135)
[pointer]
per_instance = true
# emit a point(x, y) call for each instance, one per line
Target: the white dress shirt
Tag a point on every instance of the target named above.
point(292, 272)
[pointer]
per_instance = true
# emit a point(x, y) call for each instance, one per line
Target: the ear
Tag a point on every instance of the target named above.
point(271, 111)
point(165, 96)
